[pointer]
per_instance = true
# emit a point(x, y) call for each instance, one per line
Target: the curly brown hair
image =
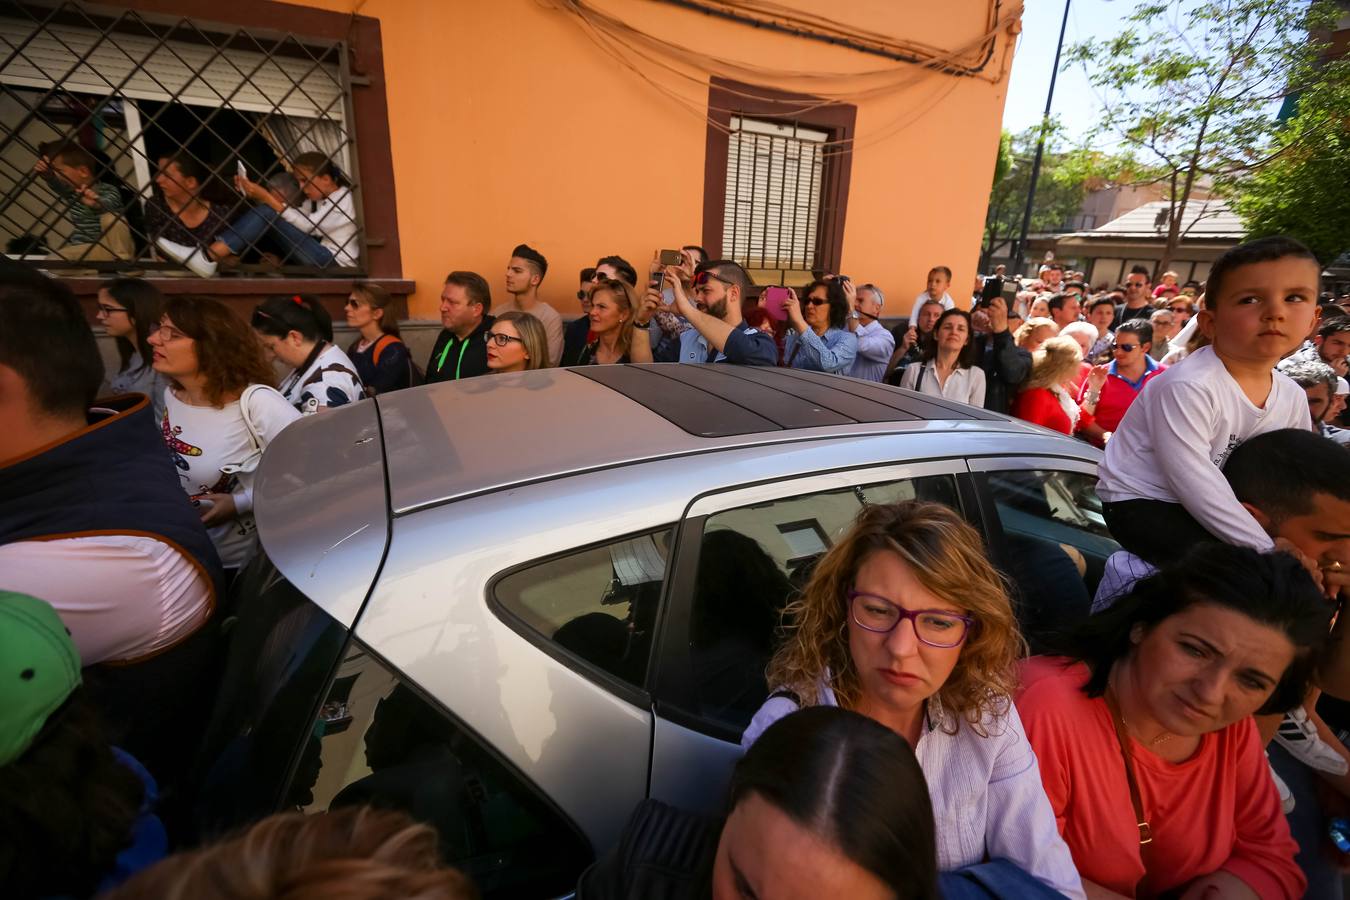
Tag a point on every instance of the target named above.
point(229, 356)
point(949, 559)
point(354, 853)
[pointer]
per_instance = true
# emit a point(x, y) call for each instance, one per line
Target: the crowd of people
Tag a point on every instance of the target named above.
point(1171, 740)
point(301, 215)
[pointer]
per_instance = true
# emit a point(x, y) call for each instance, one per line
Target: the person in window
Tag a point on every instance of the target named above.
point(181, 214)
point(719, 332)
point(1043, 399)
point(818, 337)
point(460, 351)
point(381, 358)
point(77, 813)
point(612, 306)
point(516, 342)
point(320, 232)
point(94, 207)
point(1147, 718)
point(215, 365)
point(297, 330)
point(907, 621)
point(910, 343)
point(128, 308)
point(946, 368)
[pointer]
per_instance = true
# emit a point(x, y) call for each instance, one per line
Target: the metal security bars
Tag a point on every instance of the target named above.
point(122, 135)
point(775, 175)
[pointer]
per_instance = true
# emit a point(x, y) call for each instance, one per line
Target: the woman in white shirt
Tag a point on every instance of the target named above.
point(947, 367)
point(215, 365)
point(320, 232)
point(905, 620)
point(297, 330)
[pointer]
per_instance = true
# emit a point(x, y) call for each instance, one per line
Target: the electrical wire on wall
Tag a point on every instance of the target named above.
point(642, 53)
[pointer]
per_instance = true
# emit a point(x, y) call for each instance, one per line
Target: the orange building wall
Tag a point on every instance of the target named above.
point(510, 125)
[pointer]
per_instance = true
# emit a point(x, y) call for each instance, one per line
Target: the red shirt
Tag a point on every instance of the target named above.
point(1217, 810)
point(1117, 395)
point(1040, 406)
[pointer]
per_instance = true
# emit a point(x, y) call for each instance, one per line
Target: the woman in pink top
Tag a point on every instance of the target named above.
point(1150, 721)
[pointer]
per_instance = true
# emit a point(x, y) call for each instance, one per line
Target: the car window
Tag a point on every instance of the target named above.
point(1054, 547)
point(378, 741)
point(598, 604)
point(751, 561)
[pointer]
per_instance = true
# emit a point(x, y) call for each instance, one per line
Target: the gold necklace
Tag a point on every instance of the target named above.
point(1165, 736)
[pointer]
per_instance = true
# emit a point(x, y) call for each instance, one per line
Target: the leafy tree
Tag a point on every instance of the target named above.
point(1192, 87)
point(1305, 190)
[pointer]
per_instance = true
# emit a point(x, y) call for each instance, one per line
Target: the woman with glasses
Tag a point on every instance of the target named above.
point(946, 368)
point(906, 621)
point(612, 307)
point(381, 358)
point(817, 336)
point(516, 342)
point(298, 331)
point(128, 309)
point(221, 412)
point(1144, 733)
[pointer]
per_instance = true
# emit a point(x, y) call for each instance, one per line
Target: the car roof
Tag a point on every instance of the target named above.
point(461, 438)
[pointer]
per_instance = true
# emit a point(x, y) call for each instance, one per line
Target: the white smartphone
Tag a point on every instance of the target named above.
point(239, 169)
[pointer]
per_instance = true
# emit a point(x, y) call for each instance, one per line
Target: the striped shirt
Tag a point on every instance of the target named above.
point(87, 229)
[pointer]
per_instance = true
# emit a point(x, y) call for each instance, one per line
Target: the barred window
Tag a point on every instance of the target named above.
point(136, 141)
point(774, 180)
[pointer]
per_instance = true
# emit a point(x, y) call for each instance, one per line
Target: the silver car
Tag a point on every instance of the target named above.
point(517, 605)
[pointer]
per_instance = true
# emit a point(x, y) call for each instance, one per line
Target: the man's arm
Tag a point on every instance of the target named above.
point(713, 329)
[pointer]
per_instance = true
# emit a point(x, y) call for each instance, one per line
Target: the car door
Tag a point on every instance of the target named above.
point(741, 553)
point(1044, 524)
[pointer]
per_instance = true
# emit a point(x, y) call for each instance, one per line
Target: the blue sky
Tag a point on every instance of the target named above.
point(1075, 102)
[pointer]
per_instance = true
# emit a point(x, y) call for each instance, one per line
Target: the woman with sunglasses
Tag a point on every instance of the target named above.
point(297, 330)
point(906, 621)
point(516, 342)
point(215, 365)
point(612, 307)
point(1144, 732)
point(818, 337)
point(381, 358)
point(128, 309)
point(946, 367)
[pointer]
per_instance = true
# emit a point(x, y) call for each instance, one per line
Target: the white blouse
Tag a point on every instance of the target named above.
point(202, 439)
point(986, 790)
point(963, 385)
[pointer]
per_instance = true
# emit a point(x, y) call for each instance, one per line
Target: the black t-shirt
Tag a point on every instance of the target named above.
point(452, 358)
point(1125, 314)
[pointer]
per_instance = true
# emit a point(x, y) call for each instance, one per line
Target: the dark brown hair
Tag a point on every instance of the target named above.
point(377, 297)
point(229, 356)
point(144, 304)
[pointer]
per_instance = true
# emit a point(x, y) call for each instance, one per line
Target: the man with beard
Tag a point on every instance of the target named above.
point(719, 332)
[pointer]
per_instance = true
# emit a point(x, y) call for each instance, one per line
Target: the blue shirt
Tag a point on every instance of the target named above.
point(833, 353)
point(745, 346)
point(1149, 366)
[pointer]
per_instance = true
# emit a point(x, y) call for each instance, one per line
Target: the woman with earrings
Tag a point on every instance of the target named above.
point(612, 305)
point(946, 368)
point(905, 620)
point(1144, 728)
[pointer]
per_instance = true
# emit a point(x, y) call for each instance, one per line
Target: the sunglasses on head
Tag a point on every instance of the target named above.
point(702, 278)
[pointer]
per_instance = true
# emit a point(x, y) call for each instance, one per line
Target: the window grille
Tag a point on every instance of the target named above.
point(132, 90)
point(773, 195)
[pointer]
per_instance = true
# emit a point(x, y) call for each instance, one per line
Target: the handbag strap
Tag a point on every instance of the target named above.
point(1136, 801)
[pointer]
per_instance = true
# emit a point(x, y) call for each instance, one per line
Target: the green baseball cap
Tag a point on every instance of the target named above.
point(39, 669)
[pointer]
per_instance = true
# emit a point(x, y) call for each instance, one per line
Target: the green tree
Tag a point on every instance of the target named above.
point(1193, 87)
point(1066, 177)
point(1305, 190)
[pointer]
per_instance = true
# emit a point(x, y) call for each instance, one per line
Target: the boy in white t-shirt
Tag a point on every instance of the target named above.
point(1161, 484)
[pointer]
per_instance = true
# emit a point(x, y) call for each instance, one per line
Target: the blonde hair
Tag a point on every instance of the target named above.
point(949, 559)
point(1028, 328)
point(1055, 363)
point(532, 334)
point(355, 853)
point(626, 298)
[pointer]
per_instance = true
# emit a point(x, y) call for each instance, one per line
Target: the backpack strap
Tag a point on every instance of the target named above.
point(787, 695)
point(335, 367)
point(384, 341)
